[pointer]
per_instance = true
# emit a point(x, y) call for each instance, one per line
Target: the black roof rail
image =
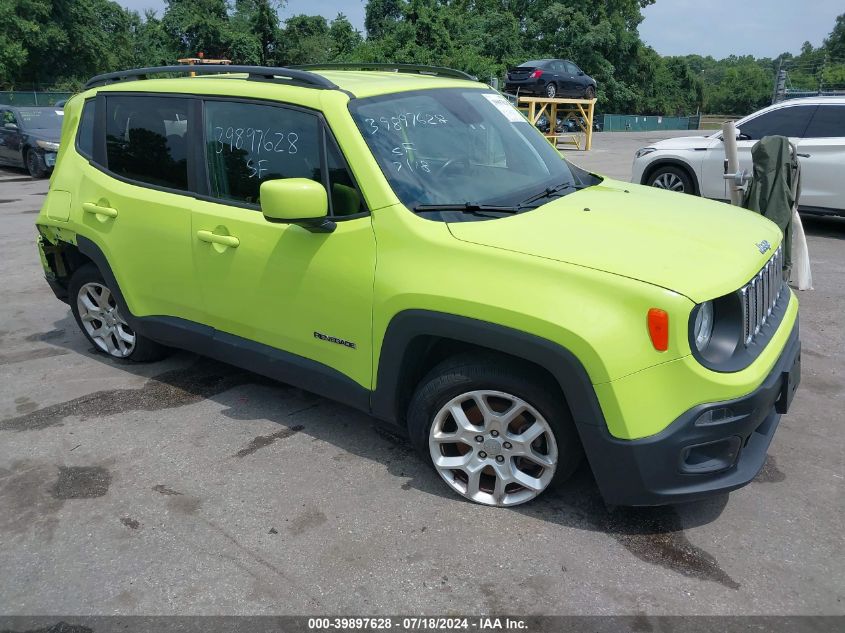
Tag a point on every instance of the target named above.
point(255, 72)
point(421, 69)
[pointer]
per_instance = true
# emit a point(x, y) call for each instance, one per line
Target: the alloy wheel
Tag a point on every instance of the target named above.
point(551, 91)
point(493, 448)
point(669, 181)
point(101, 319)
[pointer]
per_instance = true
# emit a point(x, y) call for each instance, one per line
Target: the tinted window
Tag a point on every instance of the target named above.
point(828, 122)
point(572, 68)
point(789, 121)
point(147, 139)
point(248, 143)
point(85, 131)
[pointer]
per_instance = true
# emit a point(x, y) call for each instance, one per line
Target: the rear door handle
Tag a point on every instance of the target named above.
point(214, 238)
point(96, 209)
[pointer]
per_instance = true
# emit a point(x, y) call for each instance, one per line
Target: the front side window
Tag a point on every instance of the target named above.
point(571, 68)
point(248, 143)
point(8, 117)
point(788, 121)
point(828, 122)
point(454, 146)
point(147, 139)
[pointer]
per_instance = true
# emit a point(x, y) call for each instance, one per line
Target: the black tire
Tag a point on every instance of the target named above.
point(590, 92)
point(551, 90)
point(671, 178)
point(470, 372)
point(144, 349)
point(35, 164)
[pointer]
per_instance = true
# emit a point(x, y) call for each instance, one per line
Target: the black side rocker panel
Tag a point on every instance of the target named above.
point(262, 359)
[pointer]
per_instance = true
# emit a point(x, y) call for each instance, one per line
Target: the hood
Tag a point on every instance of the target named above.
point(686, 142)
point(696, 247)
point(42, 134)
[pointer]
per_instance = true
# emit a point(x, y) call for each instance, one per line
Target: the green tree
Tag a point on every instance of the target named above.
point(198, 26)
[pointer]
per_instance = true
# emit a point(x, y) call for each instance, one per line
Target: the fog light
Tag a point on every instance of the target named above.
point(715, 416)
point(711, 457)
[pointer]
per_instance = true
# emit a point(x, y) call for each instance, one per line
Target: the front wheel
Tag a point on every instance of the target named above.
point(590, 93)
point(672, 179)
point(98, 316)
point(498, 433)
point(35, 165)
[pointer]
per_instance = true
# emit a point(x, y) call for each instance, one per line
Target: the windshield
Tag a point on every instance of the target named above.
point(454, 146)
point(41, 118)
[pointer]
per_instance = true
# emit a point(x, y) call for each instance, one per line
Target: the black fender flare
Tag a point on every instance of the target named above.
point(405, 326)
point(93, 252)
point(674, 162)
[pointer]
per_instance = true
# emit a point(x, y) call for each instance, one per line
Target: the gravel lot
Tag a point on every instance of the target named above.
point(188, 486)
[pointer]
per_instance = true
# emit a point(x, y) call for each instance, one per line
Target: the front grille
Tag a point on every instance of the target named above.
point(760, 295)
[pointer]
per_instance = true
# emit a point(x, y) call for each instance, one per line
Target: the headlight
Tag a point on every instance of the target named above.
point(645, 151)
point(48, 145)
point(703, 328)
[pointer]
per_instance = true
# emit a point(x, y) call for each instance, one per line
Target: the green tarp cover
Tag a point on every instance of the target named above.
point(774, 186)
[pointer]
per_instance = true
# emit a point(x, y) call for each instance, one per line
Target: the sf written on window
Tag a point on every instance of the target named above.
point(247, 144)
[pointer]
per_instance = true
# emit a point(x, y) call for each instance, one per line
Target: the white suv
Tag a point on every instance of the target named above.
point(696, 164)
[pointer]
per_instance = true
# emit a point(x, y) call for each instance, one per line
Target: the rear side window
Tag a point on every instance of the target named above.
point(147, 139)
point(85, 131)
point(788, 121)
point(248, 143)
point(828, 122)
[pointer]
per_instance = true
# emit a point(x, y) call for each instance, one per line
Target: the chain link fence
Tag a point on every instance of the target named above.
point(32, 97)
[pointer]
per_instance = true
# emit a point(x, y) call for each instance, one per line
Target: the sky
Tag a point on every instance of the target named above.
point(763, 28)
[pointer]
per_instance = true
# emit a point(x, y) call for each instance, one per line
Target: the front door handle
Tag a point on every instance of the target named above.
point(96, 209)
point(214, 238)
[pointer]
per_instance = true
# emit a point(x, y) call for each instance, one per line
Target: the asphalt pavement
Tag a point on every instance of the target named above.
point(188, 486)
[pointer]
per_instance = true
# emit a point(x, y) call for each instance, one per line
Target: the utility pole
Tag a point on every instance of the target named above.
point(780, 82)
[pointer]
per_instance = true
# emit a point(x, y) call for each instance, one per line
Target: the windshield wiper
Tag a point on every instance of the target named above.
point(548, 192)
point(465, 207)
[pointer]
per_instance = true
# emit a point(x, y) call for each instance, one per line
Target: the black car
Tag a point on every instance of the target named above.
point(550, 78)
point(29, 137)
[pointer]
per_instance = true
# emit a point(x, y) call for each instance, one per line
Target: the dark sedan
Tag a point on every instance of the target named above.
point(550, 78)
point(29, 137)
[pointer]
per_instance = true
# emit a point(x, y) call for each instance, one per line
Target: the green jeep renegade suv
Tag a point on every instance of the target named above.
point(404, 241)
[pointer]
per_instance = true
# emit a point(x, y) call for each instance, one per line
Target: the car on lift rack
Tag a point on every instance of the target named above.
point(29, 138)
point(550, 78)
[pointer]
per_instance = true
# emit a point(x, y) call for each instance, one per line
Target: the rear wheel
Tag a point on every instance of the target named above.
point(498, 433)
point(671, 178)
point(35, 164)
point(98, 316)
point(551, 90)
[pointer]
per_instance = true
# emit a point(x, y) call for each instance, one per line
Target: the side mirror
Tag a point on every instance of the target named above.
point(296, 201)
point(11, 126)
point(580, 73)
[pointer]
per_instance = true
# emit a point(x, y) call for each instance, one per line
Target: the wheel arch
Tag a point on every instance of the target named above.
point(672, 162)
point(415, 340)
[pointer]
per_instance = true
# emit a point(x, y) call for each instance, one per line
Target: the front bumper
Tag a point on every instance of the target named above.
point(696, 457)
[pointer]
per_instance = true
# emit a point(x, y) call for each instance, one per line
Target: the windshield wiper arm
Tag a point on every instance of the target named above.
point(548, 192)
point(464, 207)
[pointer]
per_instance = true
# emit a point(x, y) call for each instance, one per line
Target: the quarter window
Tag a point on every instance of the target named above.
point(788, 121)
point(147, 139)
point(828, 122)
point(85, 132)
point(247, 144)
